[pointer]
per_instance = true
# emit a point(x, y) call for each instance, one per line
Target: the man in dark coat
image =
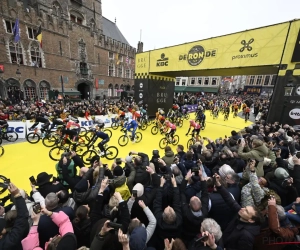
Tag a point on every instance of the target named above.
point(241, 231)
point(12, 239)
point(45, 186)
point(169, 219)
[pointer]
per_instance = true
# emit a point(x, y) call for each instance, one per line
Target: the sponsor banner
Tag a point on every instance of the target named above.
point(253, 90)
point(108, 119)
point(190, 108)
point(19, 127)
point(295, 113)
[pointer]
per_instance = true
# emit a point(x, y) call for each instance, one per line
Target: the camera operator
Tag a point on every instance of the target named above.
point(141, 161)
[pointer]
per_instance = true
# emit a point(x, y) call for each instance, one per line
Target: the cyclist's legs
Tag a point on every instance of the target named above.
point(34, 125)
point(134, 128)
point(102, 143)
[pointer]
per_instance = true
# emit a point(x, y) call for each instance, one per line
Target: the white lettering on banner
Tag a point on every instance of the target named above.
point(108, 119)
point(295, 114)
point(18, 127)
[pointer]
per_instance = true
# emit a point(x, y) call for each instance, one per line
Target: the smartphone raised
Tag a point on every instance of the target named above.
point(114, 225)
point(37, 208)
point(134, 193)
point(32, 180)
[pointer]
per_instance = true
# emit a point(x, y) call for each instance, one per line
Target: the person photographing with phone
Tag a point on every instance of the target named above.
point(242, 230)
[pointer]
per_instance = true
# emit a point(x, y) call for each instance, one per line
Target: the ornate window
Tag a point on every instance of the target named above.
point(76, 17)
point(116, 90)
point(16, 53)
point(12, 84)
point(30, 90)
point(9, 26)
point(111, 70)
point(120, 71)
point(36, 55)
point(127, 73)
point(44, 90)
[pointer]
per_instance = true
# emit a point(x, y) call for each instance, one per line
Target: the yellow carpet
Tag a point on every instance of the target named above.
point(22, 160)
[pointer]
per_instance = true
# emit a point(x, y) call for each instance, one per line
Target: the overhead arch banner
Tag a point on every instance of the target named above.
point(256, 47)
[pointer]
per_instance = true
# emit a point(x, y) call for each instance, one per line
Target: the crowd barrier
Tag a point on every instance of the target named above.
point(22, 128)
point(190, 108)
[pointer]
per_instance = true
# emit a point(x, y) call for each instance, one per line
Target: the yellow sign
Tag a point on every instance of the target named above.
point(250, 48)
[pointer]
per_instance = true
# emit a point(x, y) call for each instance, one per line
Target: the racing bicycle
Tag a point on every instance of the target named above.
point(124, 139)
point(1, 151)
point(168, 140)
point(10, 136)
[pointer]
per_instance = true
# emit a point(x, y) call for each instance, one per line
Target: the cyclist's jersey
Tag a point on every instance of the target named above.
point(41, 119)
point(195, 125)
point(171, 126)
point(247, 110)
point(72, 125)
point(136, 115)
point(102, 135)
point(175, 107)
point(121, 113)
point(3, 122)
point(202, 117)
point(235, 106)
point(244, 106)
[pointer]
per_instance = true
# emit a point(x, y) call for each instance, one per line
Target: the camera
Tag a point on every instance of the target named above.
point(167, 177)
point(114, 225)
point(134, 193)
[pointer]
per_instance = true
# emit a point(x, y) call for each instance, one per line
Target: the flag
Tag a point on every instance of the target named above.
point(16, 31)
point(39, 36)
point(117, 59)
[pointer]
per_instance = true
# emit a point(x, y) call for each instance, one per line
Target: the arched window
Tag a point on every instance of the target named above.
point(116, 90)
point(36, 55)
point(12, 86)
point(30, 90)
point(76, 17)
point(110, 90)
point(128, 87)
point(44, 90)
point(122, 87)
point(16, 53)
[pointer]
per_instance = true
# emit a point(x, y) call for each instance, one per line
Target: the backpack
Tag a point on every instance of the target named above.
point(124, 191)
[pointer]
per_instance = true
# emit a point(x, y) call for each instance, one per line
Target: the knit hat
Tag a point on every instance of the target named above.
point(68, 241)
point(2, 224)
point(281, 173)
point(139, 188)
point(118, 171)
point(225, 170)
point(128, 158)
point(138, 238)
point(82, 186)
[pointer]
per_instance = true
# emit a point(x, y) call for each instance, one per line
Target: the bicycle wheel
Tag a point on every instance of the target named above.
point(12, 136)
point(180, 124)
point(163, 143)
point(88, 136)
point(114, 125)
point(108, 132)
point(111, 152)
point(138, 137)
point(56, 152)
point(187, 116)
point(88, 155)
point(154, 130)
point(190, 142)
point(33, 138)
point(49, 141)
point(1, 151)
point(0, 139)
point(123, 140)
point(175, 140)
point(143, 126)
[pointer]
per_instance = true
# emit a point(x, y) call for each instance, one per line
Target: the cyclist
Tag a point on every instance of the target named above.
point(130, 124)
point(216, 110)
point(170, 129)
point(196, 129)
point(3, 126)
point(202, 119)
point(236, 108)
point(171, 115)
point(226, 111)
point(40, 118)
point(99, 125)
point(247, 113)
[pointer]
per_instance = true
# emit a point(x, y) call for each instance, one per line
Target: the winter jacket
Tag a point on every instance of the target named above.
point(152, 223)
point(60, 219)
point(191, 222)
point(258, 154)
point(91, 193)
point(12, 239)
point(82, 231)
point(275, 230)
point(169, 158)
point(47, 228)
point(252, 193)
point(238, 234)
point(50, 188)
point(164, 230)
point(121, 180)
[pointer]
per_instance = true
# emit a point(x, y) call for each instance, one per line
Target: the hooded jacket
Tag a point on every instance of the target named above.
point(258, 154)
point(169, 158)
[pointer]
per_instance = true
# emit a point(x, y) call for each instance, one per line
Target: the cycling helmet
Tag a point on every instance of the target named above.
point(167, 122)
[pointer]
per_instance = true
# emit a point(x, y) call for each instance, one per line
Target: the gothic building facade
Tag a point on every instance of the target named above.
point(81, 50)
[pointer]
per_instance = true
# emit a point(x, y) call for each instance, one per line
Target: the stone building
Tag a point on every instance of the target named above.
point(79, 47)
